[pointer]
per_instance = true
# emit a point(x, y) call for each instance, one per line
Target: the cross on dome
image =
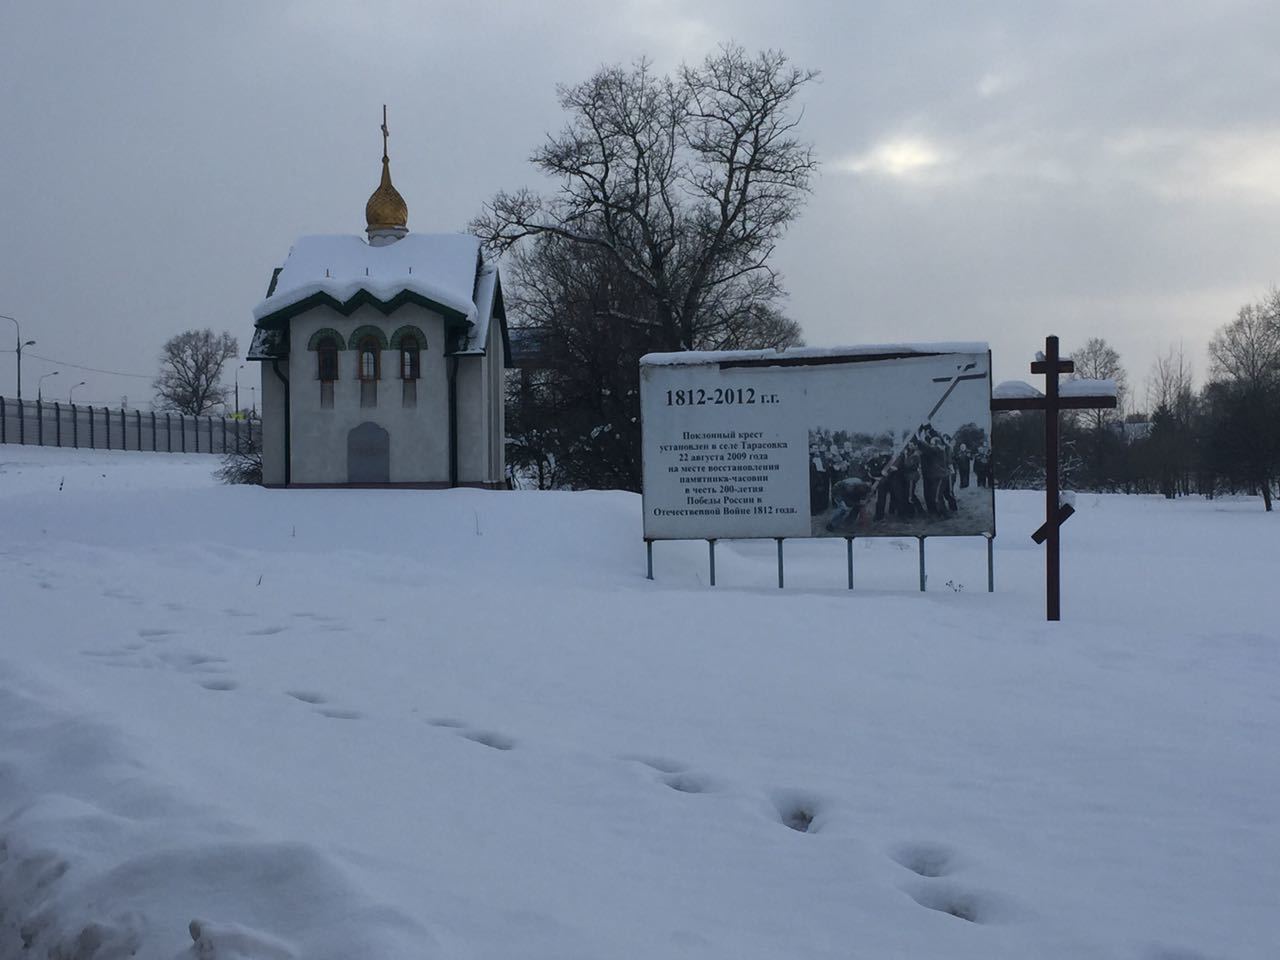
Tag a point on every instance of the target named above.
point(386, 213)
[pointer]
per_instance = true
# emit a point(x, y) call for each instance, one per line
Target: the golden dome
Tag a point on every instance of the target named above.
point(386, 208)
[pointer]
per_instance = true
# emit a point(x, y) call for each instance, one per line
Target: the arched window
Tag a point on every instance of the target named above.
point(327, 360)
point(410, 365)
point(370, 359)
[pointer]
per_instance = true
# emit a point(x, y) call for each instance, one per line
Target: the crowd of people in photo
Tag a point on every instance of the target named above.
point(915, 478)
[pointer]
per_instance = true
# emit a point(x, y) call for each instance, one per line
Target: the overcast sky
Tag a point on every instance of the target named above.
point(991, 171)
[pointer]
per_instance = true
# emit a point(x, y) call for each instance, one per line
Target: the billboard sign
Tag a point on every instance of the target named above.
point(886, 441)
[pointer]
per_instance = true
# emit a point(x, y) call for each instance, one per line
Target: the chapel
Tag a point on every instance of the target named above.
point(383, 357)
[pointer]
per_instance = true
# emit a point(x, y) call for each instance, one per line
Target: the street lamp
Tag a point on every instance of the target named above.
point(238, 369)
point(254, 393)
point(18, 350)
point(71, 397)
point(40, 382)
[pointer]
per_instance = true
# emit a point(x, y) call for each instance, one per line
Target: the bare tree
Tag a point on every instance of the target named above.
point(574, 402)
point(1170, 383)
point(1171, 451)
point(685, 183)
point(190, 371)
point(1245, 394)
point(1247, 350)
point(1098, 360)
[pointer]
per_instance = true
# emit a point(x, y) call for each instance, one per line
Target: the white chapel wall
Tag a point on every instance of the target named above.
point(471, 421)
point(272, 394)
point(419, 435)
point(496, 362)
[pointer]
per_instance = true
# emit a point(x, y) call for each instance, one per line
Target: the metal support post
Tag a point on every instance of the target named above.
point(923, 577)
point(991, 564)
point(22, 424)
point(780, 580)
point(124, 432)
point(711, 553)
point(75, 427)
point(4, 430)
point(57, 422)
point(137, 422)
point(648, 544)
point(91, 441)
point(848, 549)
point(39, 421)
point(106, 422)
point(153, 431)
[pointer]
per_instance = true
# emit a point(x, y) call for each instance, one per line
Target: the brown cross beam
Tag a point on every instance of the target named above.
point(1054, 513)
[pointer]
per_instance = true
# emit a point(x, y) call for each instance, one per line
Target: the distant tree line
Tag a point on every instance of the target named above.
point(1222, 438)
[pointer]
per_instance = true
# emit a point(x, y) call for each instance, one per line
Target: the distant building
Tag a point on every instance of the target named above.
point(1131, 431)
point(383, 359)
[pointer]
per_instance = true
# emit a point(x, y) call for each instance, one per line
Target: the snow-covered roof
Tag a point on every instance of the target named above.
point(486, 289)
point(439, 267)
point(444, 271)
point(1083, 387)
point(811, 353)
point(1015, 390)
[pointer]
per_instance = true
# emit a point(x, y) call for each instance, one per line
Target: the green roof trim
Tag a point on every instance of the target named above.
point(368, 330)
point(359, 299)
point(409, 332)
point(314, 342)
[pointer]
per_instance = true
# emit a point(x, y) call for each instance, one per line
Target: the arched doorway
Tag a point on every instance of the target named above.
point(368, 454)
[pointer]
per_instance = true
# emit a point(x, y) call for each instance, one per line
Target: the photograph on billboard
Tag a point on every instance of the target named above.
point(885, 441)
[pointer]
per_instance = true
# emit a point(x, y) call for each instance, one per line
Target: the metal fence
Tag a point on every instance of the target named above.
point(101, 428)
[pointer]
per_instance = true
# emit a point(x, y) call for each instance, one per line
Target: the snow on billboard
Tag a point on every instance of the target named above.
point(883, 441)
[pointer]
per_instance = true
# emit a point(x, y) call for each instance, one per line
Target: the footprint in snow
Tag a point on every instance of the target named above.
point(925, 859)
point(661, 764)
point(688, 783)
point(963, 903)
point(155, 634)
point(798, 810)
point(219, 685)
point(675, 774)
point(194, 662)
point(335, 714)
point(265, 632)
point(446, 722)
point(488, 738)
point(308, 696)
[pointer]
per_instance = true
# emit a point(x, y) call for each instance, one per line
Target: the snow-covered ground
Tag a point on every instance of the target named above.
point(243, 723)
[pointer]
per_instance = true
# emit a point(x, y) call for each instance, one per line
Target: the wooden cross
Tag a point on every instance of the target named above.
point(385, 132)
point(1051, 403)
